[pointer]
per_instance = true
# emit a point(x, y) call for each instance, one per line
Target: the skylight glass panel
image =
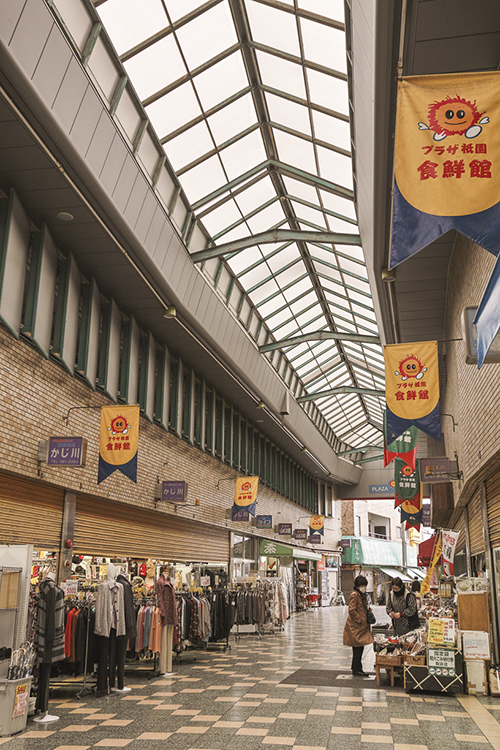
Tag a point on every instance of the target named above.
point(253, 277)
point(179, 8)
point(256, 195)
point(189, 146)
point(301, 287)
point(284, 258)
point(232, 119)
point(207, 35)
point(263, 291)
point(285, 112)
point(342, 206)
point(335, 167)
point(337, 225)
point(328, 8)
point(243, 155)
point(305, 302)
point(272, 27)
point(328, 91)
point(243, 261)
point(156, 67)
point(289, 329)
point(220, 81)
point(331, 130)
point(356, 268)
point(309, 214)
point(173, 110)
point(281, 74)
point(324, 45)
point(221, 217)
point(269, 217)
point(126, 26)
point(301, 190)
point(330, 273)
point(275, 320)
point(295, 151)
point(203, 179)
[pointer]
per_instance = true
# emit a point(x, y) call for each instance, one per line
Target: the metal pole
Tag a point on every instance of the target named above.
point(403, 545)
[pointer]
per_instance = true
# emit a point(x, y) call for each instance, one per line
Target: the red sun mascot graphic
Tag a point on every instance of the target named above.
point(411, 367)
point(454, 116)
point(119, 426)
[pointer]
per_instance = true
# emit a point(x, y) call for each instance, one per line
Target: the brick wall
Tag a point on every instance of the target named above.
point(36, 395)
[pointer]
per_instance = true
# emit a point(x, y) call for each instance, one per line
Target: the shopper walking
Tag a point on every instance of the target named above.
point(357, 631)
point(402, 608)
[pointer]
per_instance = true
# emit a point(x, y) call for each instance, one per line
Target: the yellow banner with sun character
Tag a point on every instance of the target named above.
point(245, 494)
point(412, 388)
point(118, 441)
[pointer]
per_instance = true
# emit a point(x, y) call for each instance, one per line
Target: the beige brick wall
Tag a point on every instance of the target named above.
point(36, 395)
point(472, 396)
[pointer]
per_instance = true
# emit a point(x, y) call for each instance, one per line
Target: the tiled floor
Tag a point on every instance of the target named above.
point(235, 700)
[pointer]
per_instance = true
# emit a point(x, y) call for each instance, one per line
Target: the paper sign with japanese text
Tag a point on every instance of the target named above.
point(441, 631)
point(441, 662)
point(449, 542)
point(436, 556)
point(245, 494)
point(118, 441)
point(412, 388)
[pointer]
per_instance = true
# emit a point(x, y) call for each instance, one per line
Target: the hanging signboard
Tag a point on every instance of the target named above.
point(315, 538)
point(434, 470)
point(240, 515)
point(301, 533)
point(285, 529)
point(67, 451)
point(264, 522)
point(174, 492)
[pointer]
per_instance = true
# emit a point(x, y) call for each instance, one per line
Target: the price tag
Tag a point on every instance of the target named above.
point(70, 588)
point(205, 581)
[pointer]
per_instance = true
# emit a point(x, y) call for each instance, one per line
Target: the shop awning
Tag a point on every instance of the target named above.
point(426, 550)
point(417, 572)
point(269, 548)
point(393, 573)
point(377, 553)
point(306, 554)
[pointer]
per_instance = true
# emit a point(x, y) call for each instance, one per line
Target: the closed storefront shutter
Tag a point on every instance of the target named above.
point(493, 503)
point(460, 526)
point(116, 529)
point(30, 512)
point(475, 523)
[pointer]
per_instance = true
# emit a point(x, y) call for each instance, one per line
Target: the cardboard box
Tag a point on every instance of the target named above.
point(477, 683)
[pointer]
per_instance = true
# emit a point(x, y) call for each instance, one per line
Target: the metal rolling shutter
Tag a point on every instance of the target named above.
point(108, 528)
point(493, 504)
point(460, 526)
point(475, 524)
point(30, 512)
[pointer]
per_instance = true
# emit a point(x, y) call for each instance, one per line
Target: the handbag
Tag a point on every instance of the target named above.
point(370, 617)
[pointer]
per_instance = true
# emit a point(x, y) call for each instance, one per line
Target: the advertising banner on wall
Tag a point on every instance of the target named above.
point(245, 494)
point(412, 388)
point(447, 173)
point(317, 525)
point(118, 441)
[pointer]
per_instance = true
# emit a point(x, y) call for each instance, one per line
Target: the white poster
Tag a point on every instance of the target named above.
point(450, 539)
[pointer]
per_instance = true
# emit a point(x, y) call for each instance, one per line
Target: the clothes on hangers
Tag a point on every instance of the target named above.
point(49, 634)
point(110, 609)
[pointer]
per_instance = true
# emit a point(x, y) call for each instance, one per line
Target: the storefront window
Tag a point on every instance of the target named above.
point(243, 555)
point(238, 546)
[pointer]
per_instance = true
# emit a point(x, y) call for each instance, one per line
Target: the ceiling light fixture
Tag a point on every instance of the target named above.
point(260, 405)
point(388, 275)
point(170, 312)
point(303, 449)
point(65, 216)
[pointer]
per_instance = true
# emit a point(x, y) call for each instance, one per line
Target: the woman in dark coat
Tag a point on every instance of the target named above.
point(357, 631)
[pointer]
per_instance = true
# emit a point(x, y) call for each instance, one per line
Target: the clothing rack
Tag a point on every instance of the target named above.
point(147, 600)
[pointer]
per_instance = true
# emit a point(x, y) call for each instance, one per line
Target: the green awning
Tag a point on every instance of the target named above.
point(377, 553)
point(268, 548)
point(306, 554)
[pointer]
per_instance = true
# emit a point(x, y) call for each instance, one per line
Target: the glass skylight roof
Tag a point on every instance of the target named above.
point(259, 88)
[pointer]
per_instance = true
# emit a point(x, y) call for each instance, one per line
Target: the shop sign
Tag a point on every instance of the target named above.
point(382, 489)
point(174, 492)
point(331, 562)
point(441, 662)
point(301, 533)
point(426, 515)
point(269, 548)
point(345, 543)
point(321, 563)
point(434, 470)
point(67, 451)
point(70, 588)
point(285, 529)
point(240, 515)
point(264, 522)
point(21, 700)
point(315, 538)
point(442, 631)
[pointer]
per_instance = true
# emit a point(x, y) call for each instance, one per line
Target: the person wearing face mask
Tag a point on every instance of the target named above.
point(357, 631)
point(402, 608)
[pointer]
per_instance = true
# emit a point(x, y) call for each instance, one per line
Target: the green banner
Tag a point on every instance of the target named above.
point(404, 446)
point(407, 481)
point(273, 549)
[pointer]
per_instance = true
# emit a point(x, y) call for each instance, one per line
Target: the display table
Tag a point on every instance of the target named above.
point(387, 662)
